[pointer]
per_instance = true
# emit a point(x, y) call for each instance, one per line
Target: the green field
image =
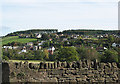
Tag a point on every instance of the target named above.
point(11, 39)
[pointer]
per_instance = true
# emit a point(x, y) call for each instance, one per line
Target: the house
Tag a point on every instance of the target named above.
point(41, 43)
point(101, 49)
point(50, 39)
point(68, 43)
point(64, 39)
point(51, 50)
point(38, 36)
point(15, 47)
point(7, 47)
point(23, 50)
point(115, 45)
point(35, 47)
point(30, 44)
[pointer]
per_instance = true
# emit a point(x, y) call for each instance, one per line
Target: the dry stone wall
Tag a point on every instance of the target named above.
point(74, 72)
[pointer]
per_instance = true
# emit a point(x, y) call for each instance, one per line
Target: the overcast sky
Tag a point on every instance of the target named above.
point(61, 14)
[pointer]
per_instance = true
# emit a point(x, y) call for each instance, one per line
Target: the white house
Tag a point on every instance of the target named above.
point(41, 43)
point(115, 45)
point(7, 47)
point(39, 36)
point(24, 50)
point(52, 48)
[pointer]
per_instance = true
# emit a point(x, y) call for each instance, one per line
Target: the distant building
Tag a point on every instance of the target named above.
point(51, 50)
point(30, 44)
point(7, 47)
point(35, 48)
point(15, 47)
point(115, 45)
point(41, 43)
point(39, 36)
point(65, 39)
point(101, 49)
point(23, 50)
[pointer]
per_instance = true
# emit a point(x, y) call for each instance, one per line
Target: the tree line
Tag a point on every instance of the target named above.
point(64, 54)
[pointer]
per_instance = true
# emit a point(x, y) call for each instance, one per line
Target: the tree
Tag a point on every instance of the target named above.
point(111, 38)
point(29, 55)
point(46, 44)
point(67, 54)
point(38, 55)
point(45, 37)
point(5, 57)
point(110, 56)
point(46, 54)
point(89, 54)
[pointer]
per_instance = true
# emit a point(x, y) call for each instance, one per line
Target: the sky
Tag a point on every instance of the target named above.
point(19, 15)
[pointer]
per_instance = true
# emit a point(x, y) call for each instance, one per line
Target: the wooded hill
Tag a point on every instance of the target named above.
point(33, 31)
point(91, 32)
point(79, 31)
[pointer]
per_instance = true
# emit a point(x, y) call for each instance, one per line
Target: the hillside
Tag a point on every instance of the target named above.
point(32, 31)
point(11, 39)
point(91, 32)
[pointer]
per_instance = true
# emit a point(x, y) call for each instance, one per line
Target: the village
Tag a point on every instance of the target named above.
point(52, 41)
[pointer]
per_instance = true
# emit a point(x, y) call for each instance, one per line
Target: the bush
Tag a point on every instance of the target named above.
point(68, 54)
point(89, 54)
point(5, 57)
point(110, 56)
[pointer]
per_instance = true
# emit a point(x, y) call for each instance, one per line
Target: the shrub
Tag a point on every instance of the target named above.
point(68, 54)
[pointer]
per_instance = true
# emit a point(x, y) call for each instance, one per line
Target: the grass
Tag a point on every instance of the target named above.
point(11, 39)
point(30, 61)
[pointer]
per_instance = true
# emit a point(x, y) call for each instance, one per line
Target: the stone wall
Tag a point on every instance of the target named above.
point(73, 72)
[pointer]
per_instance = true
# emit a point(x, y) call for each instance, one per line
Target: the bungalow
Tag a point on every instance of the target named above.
point(115, 45)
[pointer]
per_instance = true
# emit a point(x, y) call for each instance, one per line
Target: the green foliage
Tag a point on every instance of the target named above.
point(68, 54)
point(45, 37)
point(46, 44)
point(111, 38)
point(110, 56)
point(5, 57)
point(86, 53)
point(39, 55)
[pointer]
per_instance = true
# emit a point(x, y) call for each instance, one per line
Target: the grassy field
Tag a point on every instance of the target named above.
point(30, 61)
point(10, 39)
